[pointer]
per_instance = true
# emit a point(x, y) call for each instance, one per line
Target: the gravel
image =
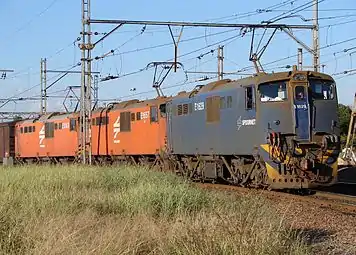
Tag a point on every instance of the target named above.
point(328, 230)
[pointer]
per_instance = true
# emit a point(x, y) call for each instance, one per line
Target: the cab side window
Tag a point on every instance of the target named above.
point(249, 98)
point(299, 93)
point(72, 125)
point(163, 110)
point(153, 114)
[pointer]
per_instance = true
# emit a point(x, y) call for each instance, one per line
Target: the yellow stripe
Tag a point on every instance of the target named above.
point(266, 147)
point(272, 172)
point(335, 172)
point(323, 159)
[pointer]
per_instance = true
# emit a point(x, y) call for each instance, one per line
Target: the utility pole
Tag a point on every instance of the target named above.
point(316, 43)
point(43, 86)
point(85, 95)
point(220, 62)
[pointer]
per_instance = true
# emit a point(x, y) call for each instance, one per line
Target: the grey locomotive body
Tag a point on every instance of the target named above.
point(277, 130)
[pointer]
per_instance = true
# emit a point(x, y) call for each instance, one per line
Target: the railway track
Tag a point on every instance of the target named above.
point(324, 199)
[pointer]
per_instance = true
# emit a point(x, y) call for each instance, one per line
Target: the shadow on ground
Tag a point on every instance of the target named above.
point(314, 236)
point(321, 241)
point(346, 182)
point(347, 175)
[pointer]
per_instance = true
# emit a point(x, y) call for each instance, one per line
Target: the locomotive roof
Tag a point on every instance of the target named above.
point(48, 116)
point(216, 85)
point(258, 79)
point(134, 103)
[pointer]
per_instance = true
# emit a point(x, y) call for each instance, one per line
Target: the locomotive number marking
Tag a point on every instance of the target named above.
point(116, 129)
point(145, 115)
point(42, 136)
point(301, 106)
point(199, 106)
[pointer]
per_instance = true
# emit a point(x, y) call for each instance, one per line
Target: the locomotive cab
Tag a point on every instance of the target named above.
point(298, 121)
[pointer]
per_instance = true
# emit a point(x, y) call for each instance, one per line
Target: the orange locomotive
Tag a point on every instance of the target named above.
point(134, 130)
point(52, 137)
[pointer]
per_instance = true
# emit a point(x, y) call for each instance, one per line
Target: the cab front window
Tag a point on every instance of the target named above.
point(273, 92)
point(321, 89)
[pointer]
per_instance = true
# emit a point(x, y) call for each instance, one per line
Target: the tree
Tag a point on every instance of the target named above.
point(344, 112)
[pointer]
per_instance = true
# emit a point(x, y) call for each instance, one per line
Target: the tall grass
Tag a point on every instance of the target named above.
point(127, 210)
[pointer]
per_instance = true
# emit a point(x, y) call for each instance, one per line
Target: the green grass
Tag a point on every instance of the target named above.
point(127, 210)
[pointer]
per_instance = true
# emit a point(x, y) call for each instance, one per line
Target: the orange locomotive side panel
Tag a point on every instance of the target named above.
point(131, 136)
point(139, 129)
point(99, 133)
point(63, 142)
point(127, 128)
point(49, 137)
point(28, 139)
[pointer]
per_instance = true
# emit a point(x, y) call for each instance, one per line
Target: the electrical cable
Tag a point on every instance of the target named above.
point(170, 43)
point(293, 11)
point(295, 55)
point(33, 19)
point(17, 74)
point(33, 87)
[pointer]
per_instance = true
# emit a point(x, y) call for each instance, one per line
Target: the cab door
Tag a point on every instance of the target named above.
point(169, 125)
point(301, 112)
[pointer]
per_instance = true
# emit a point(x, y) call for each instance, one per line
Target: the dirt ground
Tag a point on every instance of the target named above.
point(328, 230)
point(328, 226)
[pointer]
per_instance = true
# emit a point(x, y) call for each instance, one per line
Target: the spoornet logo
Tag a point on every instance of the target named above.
point(41, 136)
point(116, 130)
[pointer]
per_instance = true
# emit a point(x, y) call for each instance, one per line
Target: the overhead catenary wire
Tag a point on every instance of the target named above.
point(33, 87)
point(166, 44)
point(183, 55)
point(293, 11)
point(33, 19)
point(295, 55)
point(228, 17)
point(279, 7)
point(240, 70)
point(201, 37)
point(244, 68)
point(58, 52)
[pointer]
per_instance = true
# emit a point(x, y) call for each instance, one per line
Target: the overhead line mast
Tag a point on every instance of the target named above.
point(86, 47)
point(85, 96)
point(316, 43)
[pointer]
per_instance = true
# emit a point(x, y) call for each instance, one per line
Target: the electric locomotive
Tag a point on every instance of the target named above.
point(277, 130)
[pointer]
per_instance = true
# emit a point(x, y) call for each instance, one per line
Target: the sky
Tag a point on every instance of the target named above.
point(38, 29)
